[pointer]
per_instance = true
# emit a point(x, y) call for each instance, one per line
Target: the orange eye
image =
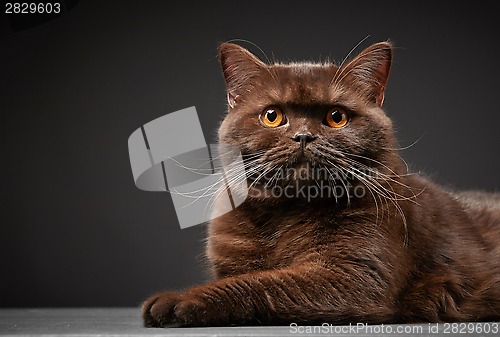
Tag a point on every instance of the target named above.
point(272, 117)
point(336, 118)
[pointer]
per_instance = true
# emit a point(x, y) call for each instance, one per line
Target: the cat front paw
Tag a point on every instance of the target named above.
point(169, 309)
point(158, 310)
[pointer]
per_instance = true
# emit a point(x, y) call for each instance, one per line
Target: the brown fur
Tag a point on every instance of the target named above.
point(410, 252)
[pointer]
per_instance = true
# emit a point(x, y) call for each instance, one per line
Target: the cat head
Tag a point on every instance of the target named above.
point(316, 114)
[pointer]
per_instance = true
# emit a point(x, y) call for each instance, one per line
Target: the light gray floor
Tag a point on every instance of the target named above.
point(127, 322)
point(106, 322)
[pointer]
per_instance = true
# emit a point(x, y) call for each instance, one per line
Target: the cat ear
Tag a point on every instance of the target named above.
point(370, 70)
point(239, 66)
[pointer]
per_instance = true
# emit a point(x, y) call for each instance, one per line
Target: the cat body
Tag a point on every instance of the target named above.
point(403, 250)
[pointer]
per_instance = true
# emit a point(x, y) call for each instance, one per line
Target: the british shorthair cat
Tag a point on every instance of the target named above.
point(334, 229)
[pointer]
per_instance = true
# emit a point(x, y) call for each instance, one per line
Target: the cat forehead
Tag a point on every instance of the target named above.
point(304, 83)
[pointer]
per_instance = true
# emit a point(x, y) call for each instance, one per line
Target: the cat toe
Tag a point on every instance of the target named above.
point(192, 313)
point(158, 310)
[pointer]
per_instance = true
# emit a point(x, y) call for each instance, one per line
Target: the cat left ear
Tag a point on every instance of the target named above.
point(369, 71)
point(239, 67)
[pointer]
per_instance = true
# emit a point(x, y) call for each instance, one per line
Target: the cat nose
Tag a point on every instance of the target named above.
point(303, 138)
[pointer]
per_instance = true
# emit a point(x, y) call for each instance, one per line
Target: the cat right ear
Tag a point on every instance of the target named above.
point(239, 67)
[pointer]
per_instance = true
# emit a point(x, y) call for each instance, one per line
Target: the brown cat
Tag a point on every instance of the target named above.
point(385, 246)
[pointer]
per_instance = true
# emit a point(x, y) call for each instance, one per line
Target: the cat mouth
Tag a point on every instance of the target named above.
point(303, 163)
point(302, 157)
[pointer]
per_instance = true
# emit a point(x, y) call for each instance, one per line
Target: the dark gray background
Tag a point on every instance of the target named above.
point(74, 229)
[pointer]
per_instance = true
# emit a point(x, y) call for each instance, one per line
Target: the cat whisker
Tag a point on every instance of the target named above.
point(372, 184)
point(236, 180)
point(383, 177)
point(256, 181)
point(223, 183)
point(404, 147)
point(374, 161)
point(343, 183)
point(387, 197)
point(275, 175)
